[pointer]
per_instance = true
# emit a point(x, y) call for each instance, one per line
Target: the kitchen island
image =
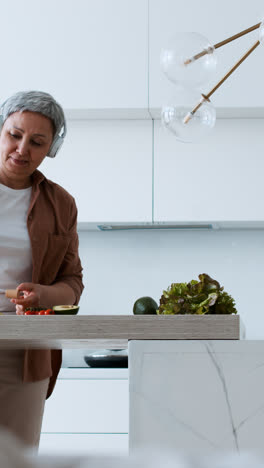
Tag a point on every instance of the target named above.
point(193, 383)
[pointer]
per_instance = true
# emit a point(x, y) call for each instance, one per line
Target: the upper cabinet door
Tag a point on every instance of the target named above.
point(107, 167)
point(220, 179)
point(90, 54)
point(216, 21)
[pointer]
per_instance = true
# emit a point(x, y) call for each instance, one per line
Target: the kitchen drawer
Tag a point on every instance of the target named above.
point(87, 406)
point(83, 444)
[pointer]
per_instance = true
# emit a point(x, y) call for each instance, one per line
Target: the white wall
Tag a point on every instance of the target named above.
point(120, 267)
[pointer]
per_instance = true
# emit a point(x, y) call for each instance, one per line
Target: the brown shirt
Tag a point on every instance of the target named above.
point(52, 227)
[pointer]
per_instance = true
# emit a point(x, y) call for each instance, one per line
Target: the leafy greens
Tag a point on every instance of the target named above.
point(196, 297)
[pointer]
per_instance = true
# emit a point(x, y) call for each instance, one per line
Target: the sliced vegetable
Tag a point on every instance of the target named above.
point(38, 311)
point(59, 310)
point(66, 309)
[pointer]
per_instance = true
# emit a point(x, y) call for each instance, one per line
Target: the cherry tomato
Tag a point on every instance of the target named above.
point(41, 312)
point(48, 312)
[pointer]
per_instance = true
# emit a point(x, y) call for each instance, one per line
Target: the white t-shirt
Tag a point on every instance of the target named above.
point(15, 248)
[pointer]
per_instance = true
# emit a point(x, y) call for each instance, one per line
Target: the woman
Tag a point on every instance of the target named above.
point(38, 251)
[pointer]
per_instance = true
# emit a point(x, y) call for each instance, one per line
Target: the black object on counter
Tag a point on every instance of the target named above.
point(108, 358)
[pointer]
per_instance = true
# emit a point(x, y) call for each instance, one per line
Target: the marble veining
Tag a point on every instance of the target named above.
point(220, 373)
point(165, 414)
point(198, 395)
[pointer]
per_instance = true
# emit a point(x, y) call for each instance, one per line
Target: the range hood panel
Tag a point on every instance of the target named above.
point(154, 226)
point(172, 225)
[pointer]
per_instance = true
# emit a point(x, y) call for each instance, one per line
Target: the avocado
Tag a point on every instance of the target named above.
point(66, 309)
point(145, 306)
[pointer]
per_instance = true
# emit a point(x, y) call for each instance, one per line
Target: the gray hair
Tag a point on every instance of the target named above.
point(36, 101)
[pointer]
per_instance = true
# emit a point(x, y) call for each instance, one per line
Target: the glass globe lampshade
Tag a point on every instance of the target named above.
point(178, 117)
point(179, 65)
point(261, 33)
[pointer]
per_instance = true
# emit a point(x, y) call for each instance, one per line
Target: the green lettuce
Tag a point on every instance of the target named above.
point(196, 297)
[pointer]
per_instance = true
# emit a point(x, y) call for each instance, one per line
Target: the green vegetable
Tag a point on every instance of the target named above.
point(66, 309)
point(196, 297)
point(145, 306)
point(32, 309)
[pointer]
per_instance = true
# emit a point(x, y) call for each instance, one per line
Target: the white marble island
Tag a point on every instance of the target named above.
point(197, 395)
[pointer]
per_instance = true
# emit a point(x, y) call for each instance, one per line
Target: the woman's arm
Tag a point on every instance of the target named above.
point(57, 275)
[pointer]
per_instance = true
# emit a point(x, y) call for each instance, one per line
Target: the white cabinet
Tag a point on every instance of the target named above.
point(89, 54)
point(220, 179)
point(87, 413)
point(87, 406)
point(107, 167)
point(83, 444)
point(167, 17)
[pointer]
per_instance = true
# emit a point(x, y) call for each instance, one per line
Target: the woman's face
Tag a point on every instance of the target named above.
point(24, 142)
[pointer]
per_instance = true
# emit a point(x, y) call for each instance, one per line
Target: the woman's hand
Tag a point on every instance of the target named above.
point(31, 297)
point(35, 295)
point(20, 310)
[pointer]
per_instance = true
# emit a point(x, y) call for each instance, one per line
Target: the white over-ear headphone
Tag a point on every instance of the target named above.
point(57, 141)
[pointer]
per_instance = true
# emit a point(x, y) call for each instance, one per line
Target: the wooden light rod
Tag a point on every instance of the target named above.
point(220, 44)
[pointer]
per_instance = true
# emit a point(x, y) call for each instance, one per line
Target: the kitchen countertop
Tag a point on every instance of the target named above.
point(112, 331)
